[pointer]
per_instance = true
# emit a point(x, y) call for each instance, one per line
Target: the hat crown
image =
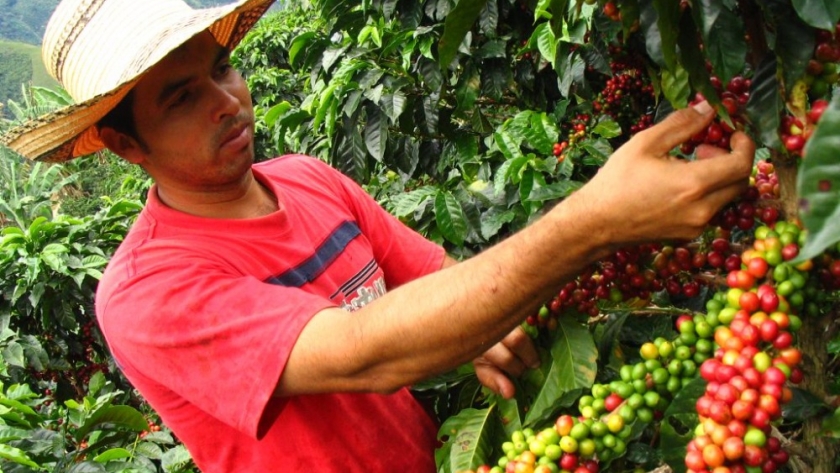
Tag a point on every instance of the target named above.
point(93, 46)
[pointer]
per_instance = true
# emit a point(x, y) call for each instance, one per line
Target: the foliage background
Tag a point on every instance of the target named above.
point(449, 113)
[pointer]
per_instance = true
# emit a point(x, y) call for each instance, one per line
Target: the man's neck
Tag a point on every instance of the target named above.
point(250, 199)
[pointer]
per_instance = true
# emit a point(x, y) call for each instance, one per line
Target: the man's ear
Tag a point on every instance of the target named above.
point(122, 145)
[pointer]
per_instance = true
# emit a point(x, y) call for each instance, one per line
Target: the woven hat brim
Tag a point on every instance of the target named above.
point(70, 132)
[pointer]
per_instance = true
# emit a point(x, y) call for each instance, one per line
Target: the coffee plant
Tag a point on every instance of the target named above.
point(466, 119)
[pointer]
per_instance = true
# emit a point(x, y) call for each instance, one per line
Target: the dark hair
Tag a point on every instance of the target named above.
point(121, 119)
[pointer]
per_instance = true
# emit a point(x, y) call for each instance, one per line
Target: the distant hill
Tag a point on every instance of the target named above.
point(24, 21)
point(22, 25)
point(21, 64)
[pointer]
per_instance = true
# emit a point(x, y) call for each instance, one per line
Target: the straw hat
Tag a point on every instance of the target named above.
point(99, 49)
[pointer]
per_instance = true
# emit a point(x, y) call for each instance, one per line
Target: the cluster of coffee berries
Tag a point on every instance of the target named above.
point(754, 322)
point(740, 213)
point(822, 71)
point(566, 446)
point(645, 389)
point(611, 11)
point(627, 96)
point(83, 359)
point(766, 182)
point(795, 132)
point(828, 269)
point(733, 99)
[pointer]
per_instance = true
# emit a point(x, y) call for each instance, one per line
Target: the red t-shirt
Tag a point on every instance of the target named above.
point(201, 315)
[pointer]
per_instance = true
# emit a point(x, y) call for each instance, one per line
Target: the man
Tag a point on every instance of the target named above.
point(241, 304)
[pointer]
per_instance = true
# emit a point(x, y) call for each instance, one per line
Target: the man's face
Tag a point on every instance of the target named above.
point(195, 116)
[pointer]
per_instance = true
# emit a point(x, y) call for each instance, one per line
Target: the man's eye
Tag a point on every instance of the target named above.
point(179, 99)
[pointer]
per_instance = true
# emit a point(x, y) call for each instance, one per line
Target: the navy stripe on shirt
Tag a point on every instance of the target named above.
point(316, 264)
point(358, 280)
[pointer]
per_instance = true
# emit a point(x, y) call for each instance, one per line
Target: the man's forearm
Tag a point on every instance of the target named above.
point(449, 317)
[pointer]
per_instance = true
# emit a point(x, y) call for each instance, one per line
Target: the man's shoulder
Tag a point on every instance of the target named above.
point(286, 161)
point(298, 171)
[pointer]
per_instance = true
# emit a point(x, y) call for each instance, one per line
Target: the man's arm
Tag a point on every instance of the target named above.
point(510, 357)
point(442, 320)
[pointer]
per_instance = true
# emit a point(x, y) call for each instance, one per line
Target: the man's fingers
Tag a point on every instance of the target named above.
point(521, 345)
point(505, 359)
point(718, 198)
point(677, 128)
point(722, 168)
point(494, 379)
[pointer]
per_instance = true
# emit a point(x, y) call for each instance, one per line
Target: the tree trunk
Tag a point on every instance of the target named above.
point(812, 451)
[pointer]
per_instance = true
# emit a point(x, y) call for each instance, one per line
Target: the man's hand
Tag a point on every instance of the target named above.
point(510, 357)
point(643, 193)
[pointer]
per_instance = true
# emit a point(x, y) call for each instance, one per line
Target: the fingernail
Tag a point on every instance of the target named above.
point(702, 107)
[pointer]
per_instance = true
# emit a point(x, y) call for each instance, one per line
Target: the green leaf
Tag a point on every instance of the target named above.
point(350, 153)
point(493, 220)
point(668, 25)
point(17, 455)
point(831, 425)
point(431, 73)
point(553, 191)
point(36, 292)
point(546, 42)
point(723, 37)
point(13, 355)
point(556, 9)
point(596, 58)
point(450, 218)
point(124, 416)
point(175, 457)
point(507, 145)
point(87, 467)
point(458, 22)
point(393, 104)
point(276, 112)
point(572, 366)
point(406, 204)
point(678, 422)
point(823, 14)
point(794, 40)
point(112, 454)
point(803, 406)
point(509, 411)
point(325, 101)
point(676, 87)
point(492, 49)
point(607, 128)
point(468, 88)
point(376, 133)
point(818, 184)
point(598, 151)
point(571, 71)
point(18, 406)
point(693, 60)
point(469, 433)
point(298, 44)
point(97, 382)
point(149, 450)
point(8, 434)
point(540, 131)
point(629, 17)
point(766, 103)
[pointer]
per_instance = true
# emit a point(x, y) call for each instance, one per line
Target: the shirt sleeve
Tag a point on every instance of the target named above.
point(218, 340)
